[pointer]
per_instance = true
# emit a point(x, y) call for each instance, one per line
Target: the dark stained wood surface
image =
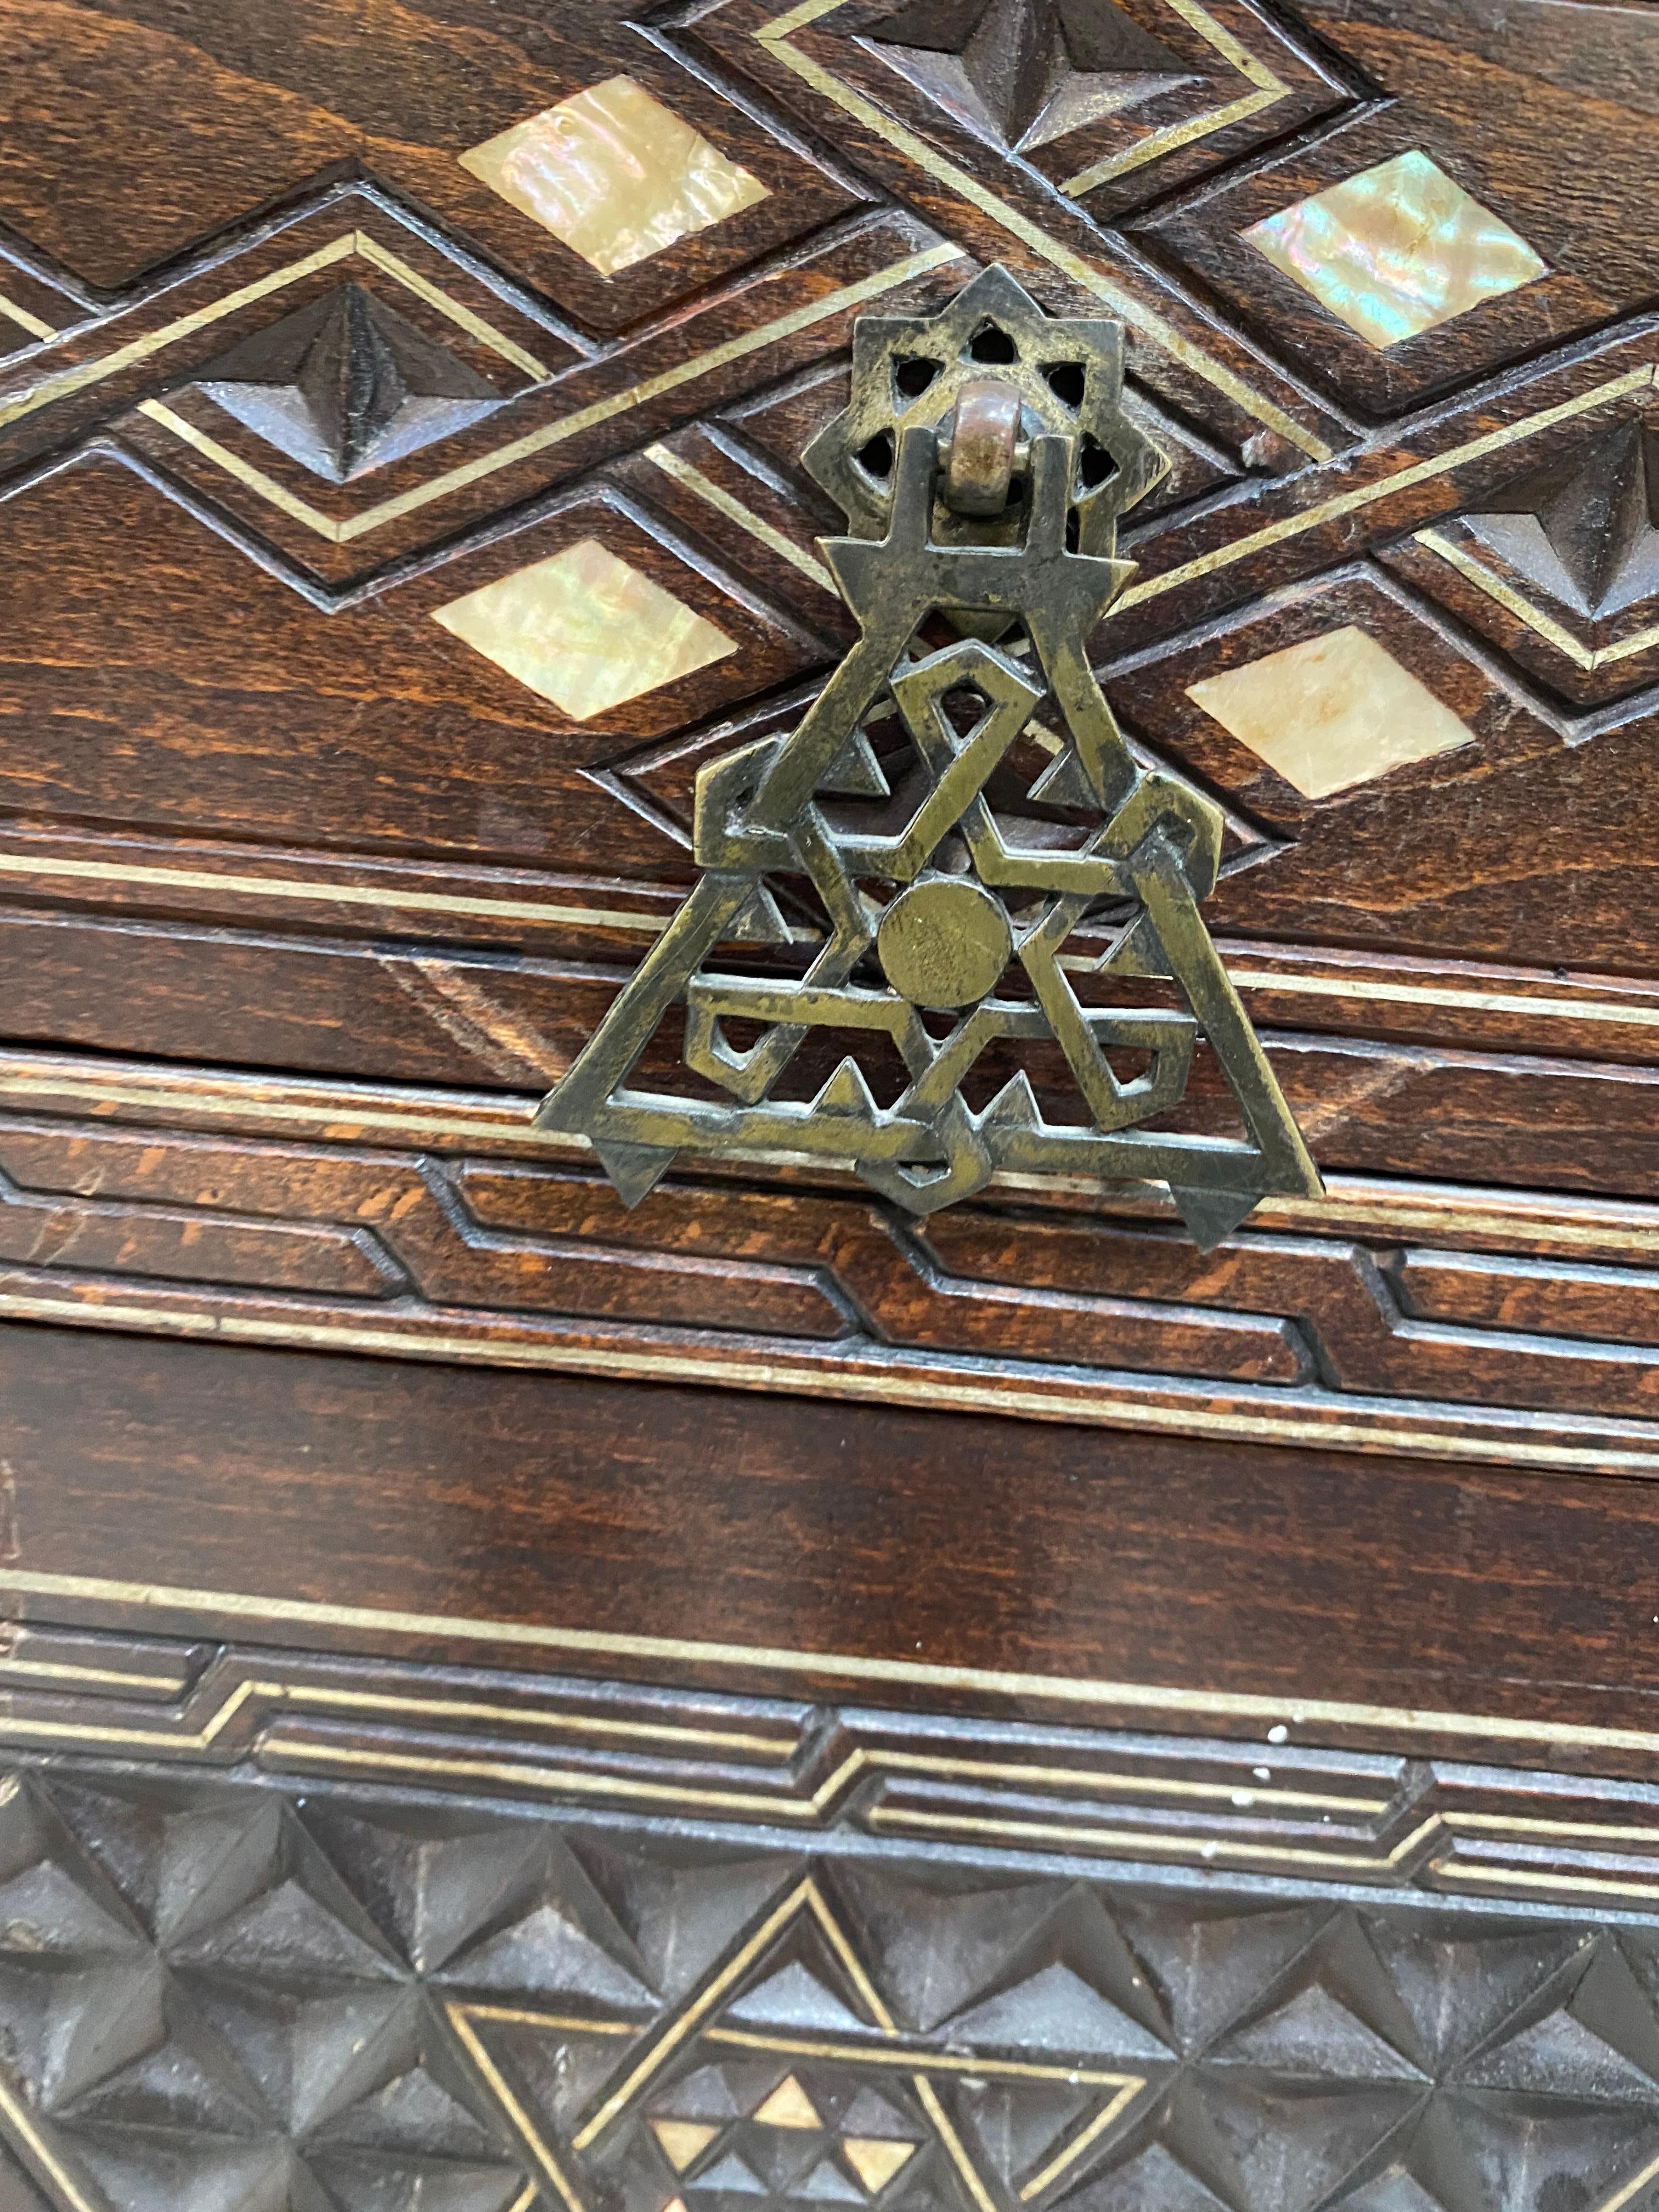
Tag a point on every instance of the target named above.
point(303, 900)
point(939, 1540)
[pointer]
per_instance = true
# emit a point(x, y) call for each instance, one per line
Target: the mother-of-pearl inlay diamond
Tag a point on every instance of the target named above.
point(613, 175)
point(1331, 713)
point(1397, 249)
point(584, 631)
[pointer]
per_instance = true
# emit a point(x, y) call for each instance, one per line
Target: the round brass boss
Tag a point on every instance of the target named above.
point(943, 943)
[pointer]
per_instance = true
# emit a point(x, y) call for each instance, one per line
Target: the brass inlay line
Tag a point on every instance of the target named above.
point(1543, 625)
point(1364, 496)
point(462, 318)
point(927, 2096)
point(1507, 597)
point(557, 1780)
point(15, 313)
point(558, 2023)
point(1267, 91)
point(955, 1387)
point(56, 1671)
point(676, 2030)
point(654, 387)
point(1171, 138)
point(998, 1682)
point(906, 2054)
point(781, 1748)
point(775, 37)
point(705, 489)
point(893, 2051)
point(456, 2016)
point(1439, 995)
point(1504, 1823)
point(1584, 1009)
point(308, 1694)
point(286, 502)
point(1067, 1778)
point(1139, 1843)
point(1529, 1878)
point(18, 2118)
point(68, 381)
point(1633, 2188)
point(292, 887)
point(1080, 2142)
point(614, 918)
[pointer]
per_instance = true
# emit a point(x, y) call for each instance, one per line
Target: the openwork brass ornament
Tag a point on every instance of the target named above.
point(982, 466)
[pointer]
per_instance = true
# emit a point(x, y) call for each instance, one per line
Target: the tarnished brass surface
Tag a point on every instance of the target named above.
point(982, 447)
point(896, 804)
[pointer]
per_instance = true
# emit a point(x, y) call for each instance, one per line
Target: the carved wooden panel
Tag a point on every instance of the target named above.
point(481, 1940)
point(272, 797)
point(401, 501)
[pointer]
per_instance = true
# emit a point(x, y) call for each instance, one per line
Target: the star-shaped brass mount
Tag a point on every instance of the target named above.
point(950, 879)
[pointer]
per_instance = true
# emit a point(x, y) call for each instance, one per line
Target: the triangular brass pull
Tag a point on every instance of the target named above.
point(945, 920)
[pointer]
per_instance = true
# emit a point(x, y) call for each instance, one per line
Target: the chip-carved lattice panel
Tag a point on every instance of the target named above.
point(214, 1992)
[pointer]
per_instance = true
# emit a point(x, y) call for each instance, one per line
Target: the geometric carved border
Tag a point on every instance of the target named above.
point(1280, 1801)
point(212, 1988)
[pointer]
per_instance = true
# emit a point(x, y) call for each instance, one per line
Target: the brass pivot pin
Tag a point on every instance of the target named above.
point(948, 858)
point(979, 447)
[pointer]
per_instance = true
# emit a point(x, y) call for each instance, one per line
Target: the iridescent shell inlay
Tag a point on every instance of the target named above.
point(584, 631)
point(1330, 713)
point(613, 175)
point(1397, 249)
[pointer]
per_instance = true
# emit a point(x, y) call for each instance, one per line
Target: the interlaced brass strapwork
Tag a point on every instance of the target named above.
point(982, 466)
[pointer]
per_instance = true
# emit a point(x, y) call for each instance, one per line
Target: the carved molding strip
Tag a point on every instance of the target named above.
point(1267, 1807)
point(1518, 1330)
point(126, 1654)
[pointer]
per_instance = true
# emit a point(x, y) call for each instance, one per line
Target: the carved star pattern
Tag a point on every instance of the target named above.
point(212, 2002)
point(1585, 527)
point(1027, 72)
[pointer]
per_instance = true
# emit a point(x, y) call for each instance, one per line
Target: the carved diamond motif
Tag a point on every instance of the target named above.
point(585, 630)
point(1026, 71)
point(347, 385)
point(1397, 249)
point(613, 175)
point(212, 2000)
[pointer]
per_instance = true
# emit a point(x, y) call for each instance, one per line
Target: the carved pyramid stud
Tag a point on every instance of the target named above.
point(347, 385)
point(1585, 526)
point(1026, 71)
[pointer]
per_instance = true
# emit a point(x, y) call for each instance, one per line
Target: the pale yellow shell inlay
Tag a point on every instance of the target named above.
point(876, 2161)
point(789, 2106)
point(1331, 713)
point(1397, 249)
point(683, 2140)
point(584, 631)
point(613, 175)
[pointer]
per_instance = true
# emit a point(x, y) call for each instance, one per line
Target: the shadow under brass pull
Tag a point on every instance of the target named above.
point(947, 844)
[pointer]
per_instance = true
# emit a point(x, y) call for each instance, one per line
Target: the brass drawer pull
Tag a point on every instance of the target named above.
point(982, 464)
